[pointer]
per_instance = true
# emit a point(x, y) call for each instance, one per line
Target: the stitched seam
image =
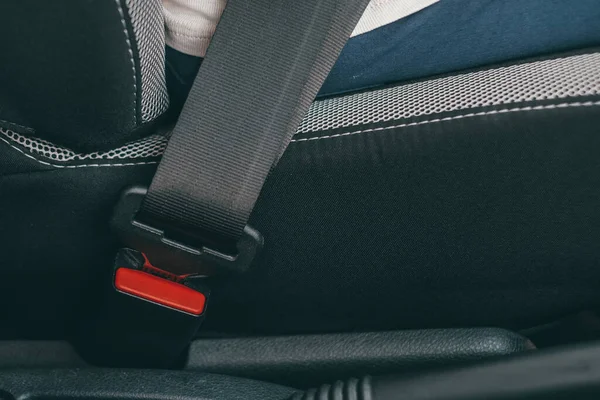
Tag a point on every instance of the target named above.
point(154, 147)
point(130, 49)
point(379, 105)
point(75, 166)
point(463, 116)
point(17, 125)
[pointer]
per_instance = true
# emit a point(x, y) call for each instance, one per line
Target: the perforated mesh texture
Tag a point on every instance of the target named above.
point(549, 79)
point(552, 79)
point(152, 146)
point(148, 27)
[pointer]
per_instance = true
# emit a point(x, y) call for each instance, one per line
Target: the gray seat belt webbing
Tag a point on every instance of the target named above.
point(264, 66)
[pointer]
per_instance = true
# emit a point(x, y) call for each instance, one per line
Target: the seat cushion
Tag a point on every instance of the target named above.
point(455, 201)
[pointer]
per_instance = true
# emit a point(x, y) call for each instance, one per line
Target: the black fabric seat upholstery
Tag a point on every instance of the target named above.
point(85, 75)
point(462, 200)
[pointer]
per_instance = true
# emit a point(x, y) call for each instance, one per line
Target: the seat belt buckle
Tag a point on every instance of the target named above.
point(157, 296)
point(173, 255)
point(148, 316)
point(135, 276)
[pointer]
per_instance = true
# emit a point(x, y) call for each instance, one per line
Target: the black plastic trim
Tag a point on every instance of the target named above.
point(310, 360)
point(132, 384)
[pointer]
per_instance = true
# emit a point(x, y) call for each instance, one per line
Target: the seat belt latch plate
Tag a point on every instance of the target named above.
point(175, 256)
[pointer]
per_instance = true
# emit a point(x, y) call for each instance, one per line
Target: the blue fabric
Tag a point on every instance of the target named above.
point(458, 34)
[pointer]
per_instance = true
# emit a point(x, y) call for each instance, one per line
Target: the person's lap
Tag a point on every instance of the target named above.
point(453, 35)
point(448, 36)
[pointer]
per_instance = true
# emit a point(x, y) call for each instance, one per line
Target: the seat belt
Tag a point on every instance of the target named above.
point(264, 66)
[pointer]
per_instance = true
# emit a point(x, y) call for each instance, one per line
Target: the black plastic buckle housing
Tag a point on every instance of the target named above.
point(132, 330)
point(156, 299)
point(174, 256)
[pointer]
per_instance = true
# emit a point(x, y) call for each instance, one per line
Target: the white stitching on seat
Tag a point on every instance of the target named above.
point(563, 80)
point(470, 115)
point(146, 148)
point(148, 33)
point(76, 166)
point(17, 125)
point(127, 39)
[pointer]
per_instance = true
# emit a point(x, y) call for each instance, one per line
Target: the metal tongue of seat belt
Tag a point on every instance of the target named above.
point(264, 66)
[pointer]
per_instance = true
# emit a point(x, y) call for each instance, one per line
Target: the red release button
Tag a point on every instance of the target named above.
point(158, 290)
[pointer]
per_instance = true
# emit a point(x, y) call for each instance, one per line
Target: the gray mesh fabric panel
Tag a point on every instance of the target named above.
point(152, 146)
point(148, 27)
point(541, 80)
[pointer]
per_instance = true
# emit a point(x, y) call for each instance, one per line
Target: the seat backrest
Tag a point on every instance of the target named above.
point(83, 74)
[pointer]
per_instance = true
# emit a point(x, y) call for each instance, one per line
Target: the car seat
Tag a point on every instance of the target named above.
point(463, 196)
